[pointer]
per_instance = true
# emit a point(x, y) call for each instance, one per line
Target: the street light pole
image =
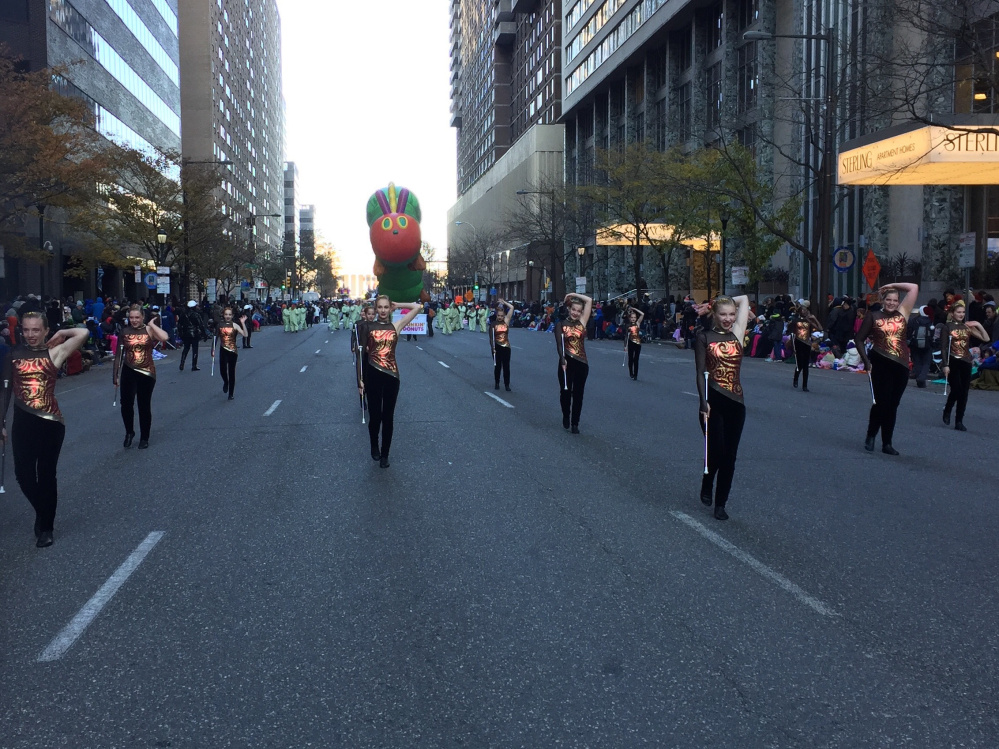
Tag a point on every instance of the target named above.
point(825, 190)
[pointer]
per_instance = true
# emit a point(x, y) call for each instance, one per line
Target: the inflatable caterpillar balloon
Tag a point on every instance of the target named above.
point(394, 220)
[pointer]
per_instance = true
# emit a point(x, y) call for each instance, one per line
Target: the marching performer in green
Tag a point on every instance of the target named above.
point(483, 317)
point(286, 318)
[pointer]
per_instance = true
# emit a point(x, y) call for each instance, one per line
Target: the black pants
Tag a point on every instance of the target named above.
point(227, 369)
point(572, 383)
point(249, 333)
point(634, 351)
point(725, 425)
point(960, 383)
point(921, 359)
point(381, 391)
point(802, 354)
point(502, 364)
point(36, 443)
point(191, 346)
point(890, 380)
point(136, 386)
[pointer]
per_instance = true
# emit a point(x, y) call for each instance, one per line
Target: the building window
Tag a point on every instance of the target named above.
point(682, 46)
point(683, 112)
point(747, 77)
point(976, 69)
point(749, 13)
point(656, 68)
point(716, 20)
point(713, 95)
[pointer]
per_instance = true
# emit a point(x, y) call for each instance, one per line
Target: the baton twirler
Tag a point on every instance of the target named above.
point(705, 423)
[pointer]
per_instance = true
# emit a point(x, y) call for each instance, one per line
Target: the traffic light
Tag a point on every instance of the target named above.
point(476, 287)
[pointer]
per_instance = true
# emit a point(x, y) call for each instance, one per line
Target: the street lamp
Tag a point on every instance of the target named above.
point(723, 215)
point(580, 254)
point(825, 185)
point(530, 272)
point(161, 238)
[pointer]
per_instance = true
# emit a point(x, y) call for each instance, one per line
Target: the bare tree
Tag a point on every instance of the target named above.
point(472, 257)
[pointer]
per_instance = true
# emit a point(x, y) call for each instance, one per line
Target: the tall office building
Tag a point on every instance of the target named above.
point(505, 105)
point(232, 107)
point(129, 76)
point(307, 229)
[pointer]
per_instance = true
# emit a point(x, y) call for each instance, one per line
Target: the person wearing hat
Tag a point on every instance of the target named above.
point(248, 325)
point(955, 346)
point(801, 326)
point(192, 330)
point(888, 363)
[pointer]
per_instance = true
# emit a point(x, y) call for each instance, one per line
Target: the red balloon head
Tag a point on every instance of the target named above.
point(396, 238)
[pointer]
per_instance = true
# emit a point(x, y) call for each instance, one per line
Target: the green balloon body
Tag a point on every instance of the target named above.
point(400, 283)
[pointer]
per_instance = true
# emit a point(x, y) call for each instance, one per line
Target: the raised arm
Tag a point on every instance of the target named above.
point(240, 326)
point(978, 330)
point(157, 332)
point(911, 292)
point(414, 309)
point(587, 306)
point(741, 317)
point(64, 342)
point(641, 315)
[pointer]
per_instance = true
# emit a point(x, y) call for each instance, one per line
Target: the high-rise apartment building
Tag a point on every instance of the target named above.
point(122, 58)
point(291, 227)
point(505, 77)
point(505, 105)
point(307, 229)
point(232, 107)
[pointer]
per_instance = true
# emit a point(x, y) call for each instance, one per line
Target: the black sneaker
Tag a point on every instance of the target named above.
point(946, 418)
point(565, 422)
point(44, 539)
point(869, 444)
point(960, 427)
point(720, 513)
point(575, 429)
point(889, 450)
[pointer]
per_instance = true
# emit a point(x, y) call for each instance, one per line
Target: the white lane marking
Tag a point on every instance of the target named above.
point(497, 398)
point(318, 350)
point(770, 574)
point(443, 364)
point(273, 408)
point(327, 341)
point(520, 347)
point(686, 392)
point(303, 369)
point(65, 639)
point(420, 347)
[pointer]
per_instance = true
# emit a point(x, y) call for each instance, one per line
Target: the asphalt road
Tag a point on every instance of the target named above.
point(504, 583)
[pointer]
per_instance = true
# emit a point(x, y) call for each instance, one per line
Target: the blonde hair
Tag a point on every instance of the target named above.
point(722, 301)
point(896, 292)
point(576, 300)
point(953, 308)
point(380, 297)
point(33, 314)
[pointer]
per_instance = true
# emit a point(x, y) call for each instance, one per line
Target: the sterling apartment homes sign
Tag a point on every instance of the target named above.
point(956, 152)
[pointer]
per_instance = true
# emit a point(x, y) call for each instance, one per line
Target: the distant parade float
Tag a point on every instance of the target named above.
point(394, 220)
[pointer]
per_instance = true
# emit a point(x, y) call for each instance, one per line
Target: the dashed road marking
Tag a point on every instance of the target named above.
point(497, 398)
point(303, 369)
point(318, 350)
point(443, 364)
point(755, 564)
point(273, 408)
point(65, 639)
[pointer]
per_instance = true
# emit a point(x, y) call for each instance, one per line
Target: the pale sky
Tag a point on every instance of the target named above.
point(368, 102)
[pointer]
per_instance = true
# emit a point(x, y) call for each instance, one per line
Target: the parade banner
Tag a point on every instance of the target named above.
point(418, 326)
